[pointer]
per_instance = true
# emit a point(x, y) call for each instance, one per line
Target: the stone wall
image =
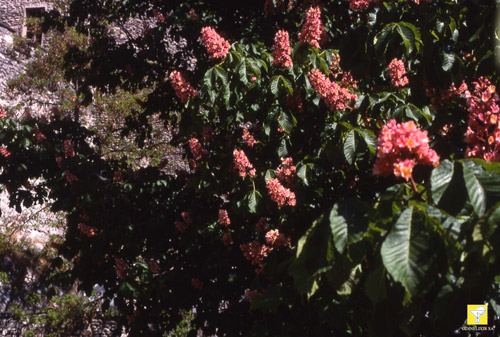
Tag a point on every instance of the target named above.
point(12, 12)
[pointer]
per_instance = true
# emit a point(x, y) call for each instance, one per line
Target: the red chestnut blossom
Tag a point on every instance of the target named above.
point(397, 73)
point(224, 218)
point(86, 230)
point(120, 267)
point(197, 150)
point(70, 177)
point(187, 218)
point(255, 252)
point(217, 47)
point(281, 50)
point(181, 226)
point(4, 152)
point(154, 267)
point(196, 283)
point(40, 137)
point(283, 196)
point(483, 131)
point(295, 101)
point(182, 88)
point(275, 238)
point(335, 96)
point(362, 4)
point(248, 138)
point(312, 28)
point(227, 238)
point(242, 164)
point(68, 148)
point(262, 225)
point(286, 172)
point(251, 294)
point(207, 133)
point(400, 148)
point(2, 112)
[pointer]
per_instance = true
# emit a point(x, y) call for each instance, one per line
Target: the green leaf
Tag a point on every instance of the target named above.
point(370, 140)
point(475, 190)
point(273, 85)
point(242, 71)
point(207, 79)
point(440, 179)
point(448, 60)
point(350, 147)
point(221, 73)
point(406, 252)
point(302, 173)
point(282, 150)
point(410, 35)
point(285, 122)
point(375, 285)
point(338, 225)
point(253, 199)
point(287, 84)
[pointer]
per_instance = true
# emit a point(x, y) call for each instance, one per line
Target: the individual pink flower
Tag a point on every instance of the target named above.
point(361, 4)
point(217, 47)
point(182, 88)
point(281, 195)
point(337, 97)
point(483, 131)
point(224, 218)
point(400, 148)
point(281, 50)
point(286, 172)
point(312, 28)
point(397, 72)
point(248, 138)
point(242, 164)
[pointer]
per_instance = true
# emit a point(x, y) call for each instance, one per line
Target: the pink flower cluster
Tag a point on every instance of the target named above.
point(217, 46)
point(397, 72)
point(286, 172)
point(86, 230)
point(248, 138)
point(182, 88)
point(196, 283)
point(337, 97)
point(2, 112)
point(275, 238)
point(313, 29)
point(120, 267)
point(224, 218)
point(182, 226)
point(280, 194)
point(68, 148)
point(281, 50)
point(4, 152)
point(483, 131)
point(154, 267)
point(39, 136)
point(400, 148)
point(227, 239)
point(361, 4)
point(255, 252)
point(295, 101)
point(197, 151)
point(261, 225)
point(242, 164)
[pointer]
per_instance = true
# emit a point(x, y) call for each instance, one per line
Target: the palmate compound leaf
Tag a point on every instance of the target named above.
point(406, 251)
